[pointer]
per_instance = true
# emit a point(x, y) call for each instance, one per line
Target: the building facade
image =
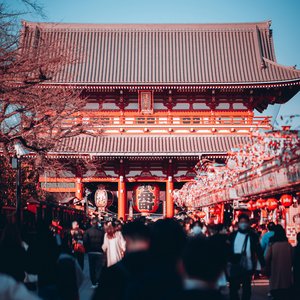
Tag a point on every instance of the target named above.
point(159, 97)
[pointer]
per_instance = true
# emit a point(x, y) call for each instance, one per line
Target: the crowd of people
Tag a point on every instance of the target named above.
point(141, 259)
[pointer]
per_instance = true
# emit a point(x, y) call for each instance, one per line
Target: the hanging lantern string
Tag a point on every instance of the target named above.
point(281, 146)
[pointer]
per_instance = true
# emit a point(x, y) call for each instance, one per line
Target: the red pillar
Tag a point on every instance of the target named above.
point(122, 198)
point(169, 198)
point(79, 188)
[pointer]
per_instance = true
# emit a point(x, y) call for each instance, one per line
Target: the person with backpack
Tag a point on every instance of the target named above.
point(244, 254)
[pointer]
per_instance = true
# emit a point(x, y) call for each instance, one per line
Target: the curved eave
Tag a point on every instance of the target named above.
point(193, 86)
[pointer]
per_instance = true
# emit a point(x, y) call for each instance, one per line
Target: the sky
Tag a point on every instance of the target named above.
point(284, 14)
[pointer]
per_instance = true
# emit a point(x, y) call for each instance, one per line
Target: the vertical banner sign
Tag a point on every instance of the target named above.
point(146, 198)
point(146, 102)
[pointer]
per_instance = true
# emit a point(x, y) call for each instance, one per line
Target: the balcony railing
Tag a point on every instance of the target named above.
point(93, 120)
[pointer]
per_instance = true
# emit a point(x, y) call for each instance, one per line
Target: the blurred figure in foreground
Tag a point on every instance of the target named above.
point(296, 268)
point(69, 274)
point(12, 254)
point(131, 267)
point(43, 255)
point(162, 277)
point(279, 265)
point(203, 260)
point(13, 290)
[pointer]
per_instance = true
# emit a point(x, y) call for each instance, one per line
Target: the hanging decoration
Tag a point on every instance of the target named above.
point(146, 198)
point(286, 200)
point(261, 203)
point(251, 205)
point(214, 180)
point(272, 203)
point(101, 198)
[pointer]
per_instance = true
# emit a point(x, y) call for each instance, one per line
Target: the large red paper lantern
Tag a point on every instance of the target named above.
point(286, 200)
point(251, 205)
point(146, 198)
point(261, 203)
point(271, 203)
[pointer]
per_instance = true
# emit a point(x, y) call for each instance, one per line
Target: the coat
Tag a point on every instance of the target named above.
point(256, 250)
point(279, 265)
point(93, 239)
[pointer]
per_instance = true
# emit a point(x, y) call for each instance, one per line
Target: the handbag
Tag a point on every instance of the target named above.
point(78, 247)
point(239, 263)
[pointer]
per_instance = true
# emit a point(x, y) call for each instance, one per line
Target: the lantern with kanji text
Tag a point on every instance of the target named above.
point(286, 200)
point(146, 198)
point(271, 203)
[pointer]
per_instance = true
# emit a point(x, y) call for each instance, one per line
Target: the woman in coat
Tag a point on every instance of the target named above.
point(279, 261)
point(113, 245)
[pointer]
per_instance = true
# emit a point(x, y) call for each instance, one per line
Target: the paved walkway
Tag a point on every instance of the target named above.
point(259, 287)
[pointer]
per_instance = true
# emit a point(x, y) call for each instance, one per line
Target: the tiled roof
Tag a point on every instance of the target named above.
point(148, 145)
point(170, 54)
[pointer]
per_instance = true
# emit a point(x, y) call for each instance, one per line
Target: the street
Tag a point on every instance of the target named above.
point(259, 287)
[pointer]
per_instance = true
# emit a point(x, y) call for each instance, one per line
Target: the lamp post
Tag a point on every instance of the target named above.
point(16, 164)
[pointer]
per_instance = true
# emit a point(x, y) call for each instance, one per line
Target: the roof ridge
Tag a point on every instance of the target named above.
point(144, 26)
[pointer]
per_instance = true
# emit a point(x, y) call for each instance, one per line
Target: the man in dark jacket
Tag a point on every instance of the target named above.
point(245, 252)
point(93, 240)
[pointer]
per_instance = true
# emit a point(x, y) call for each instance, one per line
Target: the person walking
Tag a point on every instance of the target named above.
point(265, 240)
point(77, 243)
point(113, 245)
point(244, 254)
point(92, 241)
point(279, 261)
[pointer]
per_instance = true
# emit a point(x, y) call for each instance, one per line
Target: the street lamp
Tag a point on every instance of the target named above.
point(16, 164)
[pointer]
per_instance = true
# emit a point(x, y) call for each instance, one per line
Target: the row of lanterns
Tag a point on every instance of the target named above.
point(286, 200)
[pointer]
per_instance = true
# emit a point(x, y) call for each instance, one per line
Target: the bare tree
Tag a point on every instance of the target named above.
point(32, 114)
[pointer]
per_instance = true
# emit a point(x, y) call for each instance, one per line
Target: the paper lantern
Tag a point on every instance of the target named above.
point(261, 203)
point(271, 203)
point(201, 214)
point(146, 198)
point(101, 198)
point(217, 210)
point(212, 211)
point(251, 205)
point(286, 200)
